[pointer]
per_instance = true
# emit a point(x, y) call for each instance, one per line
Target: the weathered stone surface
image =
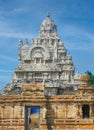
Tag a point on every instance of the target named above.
point(61, 112)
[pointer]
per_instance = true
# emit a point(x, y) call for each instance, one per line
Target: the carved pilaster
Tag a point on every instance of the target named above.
point(80, 111)
point(91, 110)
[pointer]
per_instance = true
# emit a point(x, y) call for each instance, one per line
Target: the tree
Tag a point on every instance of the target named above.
point(91, 77)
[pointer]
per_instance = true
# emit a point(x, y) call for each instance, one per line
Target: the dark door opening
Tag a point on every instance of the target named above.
point(86, 111)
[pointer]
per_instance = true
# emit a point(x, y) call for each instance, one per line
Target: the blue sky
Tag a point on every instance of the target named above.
point(21, 19)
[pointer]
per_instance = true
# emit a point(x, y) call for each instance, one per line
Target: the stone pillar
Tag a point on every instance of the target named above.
point(66, 110)
point(80, 111)
point(93, 110)
point(13, 111)
point(2, 107)
point(91, 113)
point(40, 61)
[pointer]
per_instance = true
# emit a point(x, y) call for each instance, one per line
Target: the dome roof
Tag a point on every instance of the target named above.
point(48, 25)
point(85, 77)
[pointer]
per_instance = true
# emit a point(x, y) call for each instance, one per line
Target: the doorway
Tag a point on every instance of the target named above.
point(86, 111)
point(32, 116)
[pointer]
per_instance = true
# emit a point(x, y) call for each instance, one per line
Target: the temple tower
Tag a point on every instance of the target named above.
point(45, 60)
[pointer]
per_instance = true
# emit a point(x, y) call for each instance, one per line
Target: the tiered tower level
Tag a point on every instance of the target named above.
point(45, 60)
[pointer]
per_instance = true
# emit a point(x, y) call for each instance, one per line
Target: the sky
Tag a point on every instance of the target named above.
point(21, 19)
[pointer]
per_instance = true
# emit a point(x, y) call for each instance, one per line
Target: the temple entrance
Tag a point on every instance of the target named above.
point(86, 111)
point(32, 117)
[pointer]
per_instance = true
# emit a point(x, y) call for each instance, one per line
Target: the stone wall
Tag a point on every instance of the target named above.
point(12, 117)
point(56, 112)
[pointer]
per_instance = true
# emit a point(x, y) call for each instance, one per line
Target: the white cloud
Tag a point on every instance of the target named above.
point(15, 35)
point(77, 39)
point(5, 71)
point(17, 10)
point(9, 32)
point(8, 58)
point(12, 12)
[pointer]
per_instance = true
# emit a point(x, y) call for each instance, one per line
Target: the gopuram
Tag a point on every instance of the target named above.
point(45, 93)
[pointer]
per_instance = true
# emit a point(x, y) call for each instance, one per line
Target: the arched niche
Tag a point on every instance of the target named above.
point(43, 51)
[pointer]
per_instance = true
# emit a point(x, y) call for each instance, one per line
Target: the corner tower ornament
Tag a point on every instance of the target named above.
point(45, 60)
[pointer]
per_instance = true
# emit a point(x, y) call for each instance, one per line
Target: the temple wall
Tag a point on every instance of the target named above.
point(55, 113)
point(12, 117)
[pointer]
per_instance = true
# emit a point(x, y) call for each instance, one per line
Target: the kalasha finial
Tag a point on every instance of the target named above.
point(26, 41)
point(48, 14)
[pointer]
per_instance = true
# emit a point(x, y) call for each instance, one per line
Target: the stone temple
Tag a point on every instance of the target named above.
point(45, 60)
point(44, 93)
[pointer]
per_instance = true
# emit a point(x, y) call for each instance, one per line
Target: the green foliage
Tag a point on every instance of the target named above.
point(0, 92)
point(91, 77)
